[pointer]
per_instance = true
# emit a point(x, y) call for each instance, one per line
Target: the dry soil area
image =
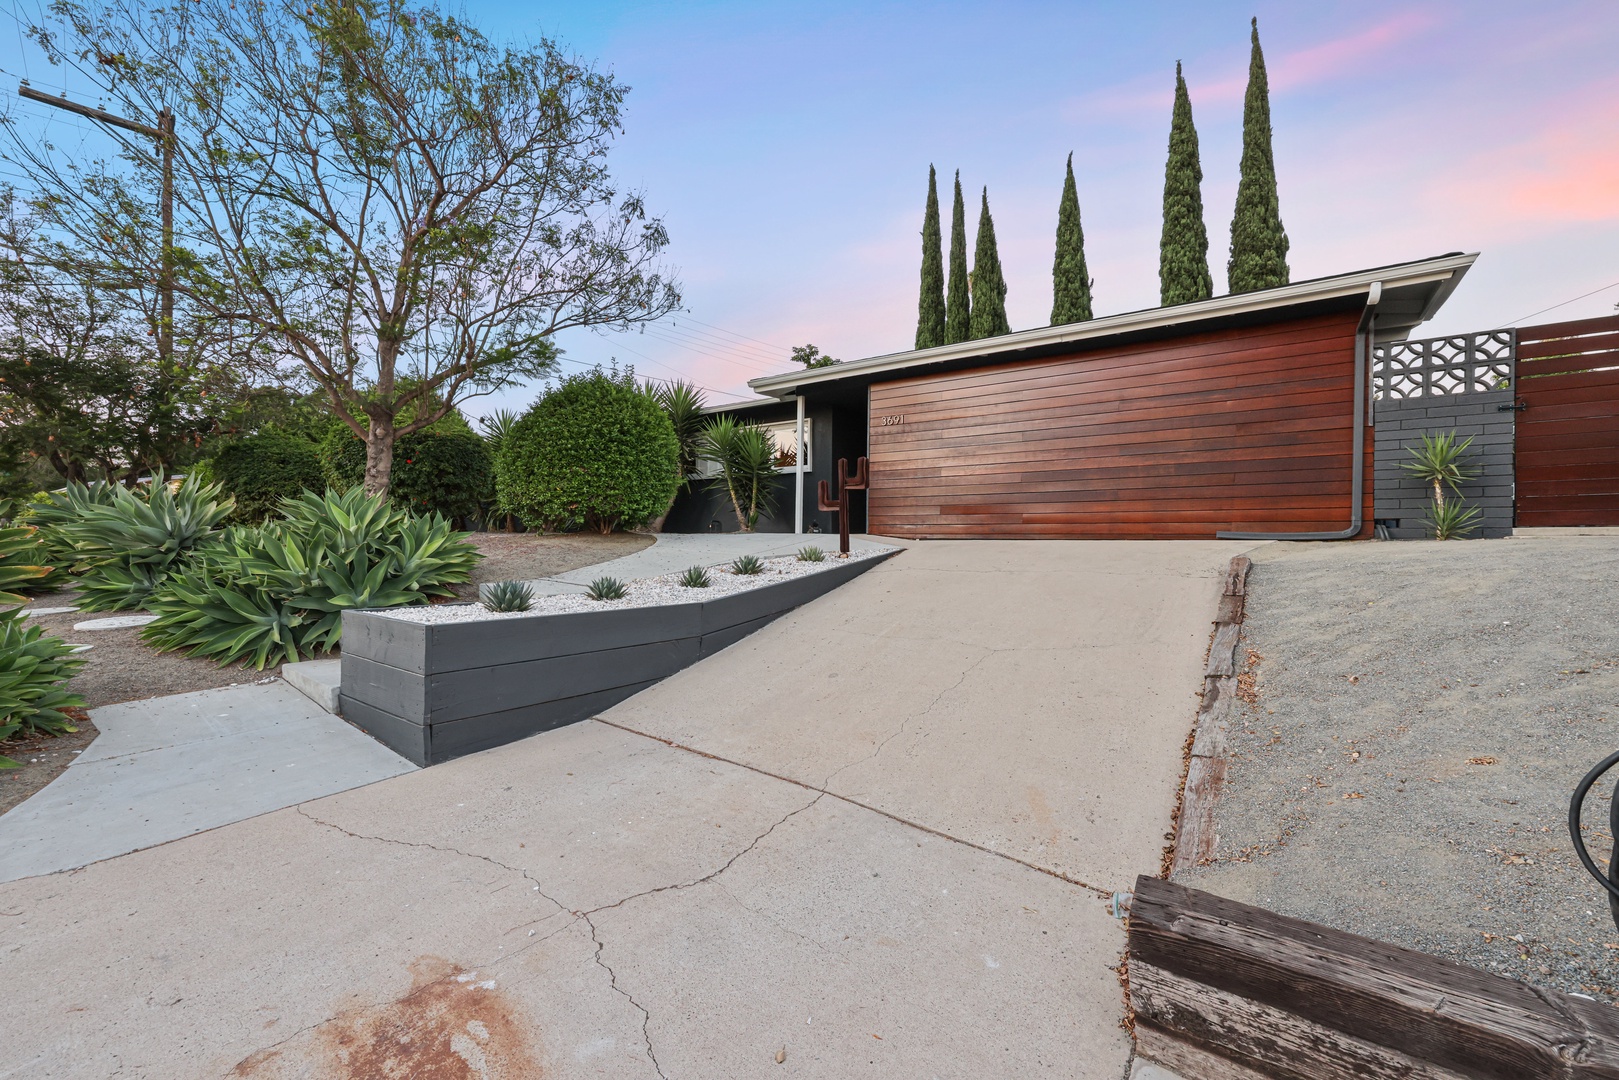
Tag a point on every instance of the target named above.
point(1419, 714)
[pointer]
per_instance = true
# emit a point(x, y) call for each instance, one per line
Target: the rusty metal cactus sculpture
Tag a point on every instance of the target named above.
point(846, 484)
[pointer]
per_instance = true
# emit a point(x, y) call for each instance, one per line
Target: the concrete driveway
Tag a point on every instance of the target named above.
point(875, 839)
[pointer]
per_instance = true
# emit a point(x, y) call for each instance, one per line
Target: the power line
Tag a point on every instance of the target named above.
point(739, 347)
point(650, 332)
point(1554, 307)
point(733, 333)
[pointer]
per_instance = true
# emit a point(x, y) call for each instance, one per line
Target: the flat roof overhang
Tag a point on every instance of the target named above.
point(1412, 293)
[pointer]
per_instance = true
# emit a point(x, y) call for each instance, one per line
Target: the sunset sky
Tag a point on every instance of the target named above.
point(787, 147)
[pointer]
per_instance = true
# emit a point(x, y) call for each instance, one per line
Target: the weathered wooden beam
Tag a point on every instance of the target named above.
point(1297, 1001)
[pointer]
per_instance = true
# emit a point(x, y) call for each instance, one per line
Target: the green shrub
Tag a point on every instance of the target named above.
point(277, 591)
point(747, 565)
point(260, 470)
point(506, 596)
point(132, 543)
point(696, 578)
point(34, 669)
point(607, 588)
point(595, 452)
point(445, 469)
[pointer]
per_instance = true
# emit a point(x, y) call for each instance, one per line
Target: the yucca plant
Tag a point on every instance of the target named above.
point(506, 595)
point(1452, 520)
point(683, 403)
point(607, 588)
point(747, 565)
point(1438, 462)
point(496, 426)
point(747, 462)
point(34, 670)
point(130, 544)
point(21, 553)
point(696, 578)
point(811, 554)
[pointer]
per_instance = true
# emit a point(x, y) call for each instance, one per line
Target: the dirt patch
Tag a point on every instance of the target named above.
point(41, 759)
point(1403, 758)
point(454, 1024)
point(527, 556)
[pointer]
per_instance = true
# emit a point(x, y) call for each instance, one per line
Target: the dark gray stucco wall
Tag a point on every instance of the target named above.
point(1401, 423)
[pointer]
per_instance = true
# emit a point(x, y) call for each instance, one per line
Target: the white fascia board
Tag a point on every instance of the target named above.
point(1392, 277)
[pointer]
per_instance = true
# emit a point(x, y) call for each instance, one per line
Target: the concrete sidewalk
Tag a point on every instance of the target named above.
point(167, 767)
point(935, 776)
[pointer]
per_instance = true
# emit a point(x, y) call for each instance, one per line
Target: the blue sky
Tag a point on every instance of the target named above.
point(787, 147)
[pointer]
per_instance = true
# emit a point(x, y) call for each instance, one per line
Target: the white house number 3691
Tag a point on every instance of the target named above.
point(890, 421)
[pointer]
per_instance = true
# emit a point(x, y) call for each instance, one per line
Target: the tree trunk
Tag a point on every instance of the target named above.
point(379, 455)
point(1439, 495)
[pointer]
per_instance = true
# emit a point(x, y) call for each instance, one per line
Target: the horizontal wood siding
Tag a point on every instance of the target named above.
point(1241, 429)
point(1568, 434)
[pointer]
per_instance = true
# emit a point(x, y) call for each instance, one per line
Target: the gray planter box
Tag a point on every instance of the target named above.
point(435, 691)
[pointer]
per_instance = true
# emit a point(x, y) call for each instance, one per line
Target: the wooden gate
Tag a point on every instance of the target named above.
point(1567, 438)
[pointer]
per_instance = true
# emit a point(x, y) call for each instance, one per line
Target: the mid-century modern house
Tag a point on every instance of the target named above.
point(1242, 415)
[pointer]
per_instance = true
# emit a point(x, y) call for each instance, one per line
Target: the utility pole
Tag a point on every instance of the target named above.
point(164, 134)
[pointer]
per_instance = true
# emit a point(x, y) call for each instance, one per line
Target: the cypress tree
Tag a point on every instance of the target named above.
point(930, 307)
point(1183, 250)
point(957, 305)
point(989, 286)
point(1070, 281)
point(1258, 241)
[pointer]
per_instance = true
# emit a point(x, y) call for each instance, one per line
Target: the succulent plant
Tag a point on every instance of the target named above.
point(695, 578)
point(747, 564)
point(507, 596)
point(607, 588)
point(811, 554)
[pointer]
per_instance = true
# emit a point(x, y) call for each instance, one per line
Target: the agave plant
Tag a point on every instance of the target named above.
point(747, 565)
point(607, 588)
point(49, 512)
point(506, 595)
point(274, 592)
point(131, 543)
point(696, 578)
point(811, 554)
point(21, 551)
point(747, 461)
point(34, 670)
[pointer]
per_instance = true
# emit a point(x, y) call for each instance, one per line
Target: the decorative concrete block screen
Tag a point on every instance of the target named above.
point(1463, 384)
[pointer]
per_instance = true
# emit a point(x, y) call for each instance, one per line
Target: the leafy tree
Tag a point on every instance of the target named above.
point(376, 190)
point(1258, 241)
point(930, 306)
point(1070, 281)
point(1183, 250)
point(812, 357)
point(989, 286)
point(958, 301)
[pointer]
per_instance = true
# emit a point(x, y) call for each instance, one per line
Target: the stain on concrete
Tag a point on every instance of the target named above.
point(453, 1024)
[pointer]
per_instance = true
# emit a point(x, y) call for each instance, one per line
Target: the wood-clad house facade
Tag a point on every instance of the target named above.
point(1245, 415)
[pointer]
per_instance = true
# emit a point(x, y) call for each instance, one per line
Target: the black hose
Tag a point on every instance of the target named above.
point(1610, 880)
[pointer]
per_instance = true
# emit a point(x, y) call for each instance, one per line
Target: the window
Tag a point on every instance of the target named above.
point(784, 437)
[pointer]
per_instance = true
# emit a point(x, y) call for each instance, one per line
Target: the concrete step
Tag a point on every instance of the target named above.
point(317, 680)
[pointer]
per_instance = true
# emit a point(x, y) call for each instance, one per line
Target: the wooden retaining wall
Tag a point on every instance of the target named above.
point(1225, 991)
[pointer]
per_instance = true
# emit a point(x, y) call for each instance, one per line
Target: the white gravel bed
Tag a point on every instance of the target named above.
point(642, 592)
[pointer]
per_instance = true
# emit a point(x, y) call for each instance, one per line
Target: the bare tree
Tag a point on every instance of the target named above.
point(406, 209)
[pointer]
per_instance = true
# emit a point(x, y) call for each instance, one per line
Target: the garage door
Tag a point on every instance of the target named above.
point(1246, 429)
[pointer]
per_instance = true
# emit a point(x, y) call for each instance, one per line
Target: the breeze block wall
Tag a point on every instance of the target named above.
point(1431, 387)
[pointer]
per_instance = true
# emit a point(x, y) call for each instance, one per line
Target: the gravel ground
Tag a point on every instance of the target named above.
point(643, 592)
point(1417, 716)
point(529, 556)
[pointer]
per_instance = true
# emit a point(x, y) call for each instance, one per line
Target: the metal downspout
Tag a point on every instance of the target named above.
point(798, 471)
point(1357, 496)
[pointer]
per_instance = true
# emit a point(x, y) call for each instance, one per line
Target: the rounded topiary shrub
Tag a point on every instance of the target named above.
point(260, 470)
point(595, 451)
point(448, 471)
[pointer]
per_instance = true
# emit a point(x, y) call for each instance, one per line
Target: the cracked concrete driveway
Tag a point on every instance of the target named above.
point(874, 839)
